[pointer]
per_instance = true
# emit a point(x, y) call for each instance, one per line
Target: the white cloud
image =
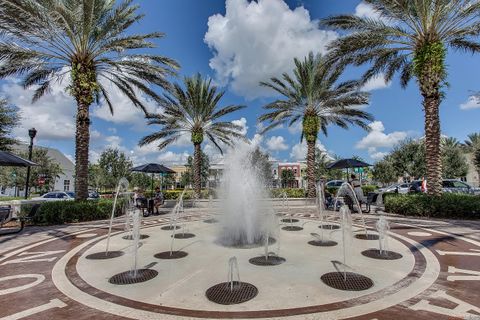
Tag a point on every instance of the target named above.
point(53, 115)
point(299, 151)
point(256, 40)
point(170, 157)
point(377, 138)
point(364, 10)
point(242, 122)
point(471, 103)
point(295, 128)
point(276, 143)
point(376, 83)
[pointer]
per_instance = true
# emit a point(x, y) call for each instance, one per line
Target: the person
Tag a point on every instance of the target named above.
point(357, 187)
point(158, 199)
point(137, 196)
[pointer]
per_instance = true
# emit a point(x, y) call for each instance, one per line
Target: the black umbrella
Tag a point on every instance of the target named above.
point(347, 163)
point(152, 168)
point(11, 160)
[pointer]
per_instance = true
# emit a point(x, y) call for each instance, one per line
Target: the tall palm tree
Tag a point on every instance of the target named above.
point(313, 97)
point(411, 38)
point(194, 110)
point(45, 40)
point(473, 142)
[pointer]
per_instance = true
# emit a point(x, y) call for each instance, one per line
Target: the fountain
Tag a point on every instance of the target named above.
point(269, 258)
point(319, 239)
point(382, 252)
point(233, 291)
point(121, 187)
point(173, 254)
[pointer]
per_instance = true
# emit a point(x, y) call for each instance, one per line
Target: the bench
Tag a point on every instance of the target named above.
point(6, 216)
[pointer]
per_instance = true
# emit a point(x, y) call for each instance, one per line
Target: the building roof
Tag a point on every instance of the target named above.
point(65, 163)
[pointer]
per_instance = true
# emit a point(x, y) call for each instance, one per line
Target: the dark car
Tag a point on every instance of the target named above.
point(448, 186)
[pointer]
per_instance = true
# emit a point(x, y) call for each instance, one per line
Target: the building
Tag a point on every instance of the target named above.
point(299, 173)
point(179, 169)
point(64, 182)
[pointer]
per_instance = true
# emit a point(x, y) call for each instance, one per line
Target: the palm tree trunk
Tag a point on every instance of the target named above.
point(311, 193)
point(197, 166)
point(433, 155)
point(82, 139)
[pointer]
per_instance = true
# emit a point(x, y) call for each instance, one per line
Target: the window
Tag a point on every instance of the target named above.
point(50, 195)
point(458, 184)
point(274, 171)
point(66, 185)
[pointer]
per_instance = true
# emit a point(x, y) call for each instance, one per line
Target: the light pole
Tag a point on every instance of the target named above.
point(31, 133)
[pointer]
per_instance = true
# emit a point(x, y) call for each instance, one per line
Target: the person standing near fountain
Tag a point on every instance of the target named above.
point(357, 188)
point(158, 199)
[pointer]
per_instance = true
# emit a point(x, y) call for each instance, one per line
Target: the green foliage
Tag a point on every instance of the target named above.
point(287, 178)
point(310, 127)
point(291, 193)
point(60, 212)
point(112, 165)
point(429, 60)
point(259, 161)
point(9, 119)
point(448, 205)
point(189, 194)
point(384, 171)
point(197, 137)
point(476, 159)
point(140, 180)
point(84, 85)
point(186, 178)
point(321, 161)
point(454, 162)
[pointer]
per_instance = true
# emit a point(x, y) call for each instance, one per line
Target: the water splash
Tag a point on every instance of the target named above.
point(232, 272)
point(382, 227)
point(136, 223)
point(121, 187)
point(347, 190)
point(346, 235)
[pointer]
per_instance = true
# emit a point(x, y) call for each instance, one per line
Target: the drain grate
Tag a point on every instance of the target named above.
point(127, 277)
point(364, 236)
point(210, 220)
point(324, 243)
point(270, 261)
point(130, 237)
point(385, 255)
point(290, 220)
point(223, 294)
point(347, 281)
point(183, 235)
point(170, 227)
point(104, 255)
point(172, 255)
point(329, 226)
point(292, 228)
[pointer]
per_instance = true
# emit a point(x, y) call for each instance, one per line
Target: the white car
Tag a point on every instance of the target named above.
point(56, 196)
point(402, 188)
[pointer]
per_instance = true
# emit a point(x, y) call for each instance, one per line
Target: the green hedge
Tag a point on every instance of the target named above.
point(448, 205)
point(366, 189)
point(59, 212)
point(175, 194)
point(291, 193)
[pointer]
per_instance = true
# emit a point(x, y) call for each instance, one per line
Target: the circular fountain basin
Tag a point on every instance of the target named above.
point(296, 283)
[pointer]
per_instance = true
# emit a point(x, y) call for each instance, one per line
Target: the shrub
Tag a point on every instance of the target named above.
point(291, 193)
point(448, 205)
point(59, 212)
point(175, 194)
point(369, 188)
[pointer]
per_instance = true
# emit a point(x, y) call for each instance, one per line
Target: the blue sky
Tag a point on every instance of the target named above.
point(263, 36)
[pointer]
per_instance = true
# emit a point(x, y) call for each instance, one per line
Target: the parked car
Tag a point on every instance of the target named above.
point(396, 188)
point(334, 183)
point(92, 195)
point(56, 196)
point(449, 186)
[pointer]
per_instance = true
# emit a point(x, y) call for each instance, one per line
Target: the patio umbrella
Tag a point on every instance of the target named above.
point(8, 159)
point(152, 168)
point(348, 163)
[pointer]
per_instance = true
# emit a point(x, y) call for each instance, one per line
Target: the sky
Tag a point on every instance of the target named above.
point(239, 43)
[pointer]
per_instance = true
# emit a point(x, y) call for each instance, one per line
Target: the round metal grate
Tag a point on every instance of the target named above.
point(385, 255)
point(130, 237)
point(170, 227)
point(104, 255)
point(324, 243)
point(210, 220)
point(348, 281)
point(370, 236)
point(128, 277)
point(270, 261)
point(329, 226)
point(171, 255)
point(288, 220)
point(222, 293)
point(183, 235)
point(292, 228)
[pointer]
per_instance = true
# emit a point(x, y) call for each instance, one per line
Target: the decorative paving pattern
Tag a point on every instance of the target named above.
point(42, 274)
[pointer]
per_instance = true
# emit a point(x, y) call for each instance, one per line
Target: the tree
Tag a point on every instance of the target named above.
point(42, 176)
point(187, 177)
point(194, 110)
point(114, 165)
point(140, 180)
point(260, 162)
point(384, 171)
point(95, 176)
point(9, 119)
point(473, 142)
point(453, 160)
point(408, 158)
point(288, 178)
point(43, 41)
point(313, 97)
point(476, 160)
point(411, 38)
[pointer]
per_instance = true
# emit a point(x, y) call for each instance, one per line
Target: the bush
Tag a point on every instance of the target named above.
point(448, 205)
point(59, 212)
point(189, 194)
point(291, 193)
point(369, 188)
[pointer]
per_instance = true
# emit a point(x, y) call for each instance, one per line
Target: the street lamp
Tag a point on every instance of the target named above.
point(31, 133)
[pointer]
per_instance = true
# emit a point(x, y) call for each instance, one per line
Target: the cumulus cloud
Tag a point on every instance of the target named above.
point(242, 122)
point(471, 103)
point(256, 40)
point(364, 10)
point(377, 138)
point(299, 151)
point(276, 143)
point(376, 83)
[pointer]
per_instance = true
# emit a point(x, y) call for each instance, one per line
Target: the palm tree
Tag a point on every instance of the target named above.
point(313, 97)
point(411, 38)
point(473, 142)
point(194, 111)
point(44, 40)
